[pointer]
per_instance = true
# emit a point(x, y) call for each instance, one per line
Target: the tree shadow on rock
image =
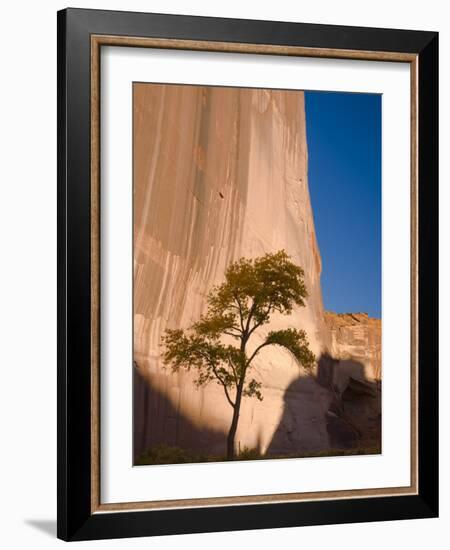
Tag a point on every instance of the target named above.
point(301, 428)
point(338, 408)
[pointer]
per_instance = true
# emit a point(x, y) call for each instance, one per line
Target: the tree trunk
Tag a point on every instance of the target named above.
point(234, 423)
point(237, 405)
point(232, 435)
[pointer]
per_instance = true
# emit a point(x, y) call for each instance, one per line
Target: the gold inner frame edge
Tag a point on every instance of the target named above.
point(195, 45)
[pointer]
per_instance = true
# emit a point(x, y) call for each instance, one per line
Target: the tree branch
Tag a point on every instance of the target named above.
point(224, 386)
point(256, 325)
point(250, 315)
point(227, 395)
point(218, 377)
point(230, 362)
point(233, 334)
point(255, 353)
point(241, 315)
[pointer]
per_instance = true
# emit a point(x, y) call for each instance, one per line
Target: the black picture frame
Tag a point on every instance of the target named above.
point(76, 521)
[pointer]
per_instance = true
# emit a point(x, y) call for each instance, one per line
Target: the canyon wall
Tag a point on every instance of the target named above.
point(221, 173)
point(356, 337)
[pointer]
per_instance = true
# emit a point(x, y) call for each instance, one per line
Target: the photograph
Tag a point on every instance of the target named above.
point(257, 284)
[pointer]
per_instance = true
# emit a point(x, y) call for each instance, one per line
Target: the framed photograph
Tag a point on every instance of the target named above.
point(247, 286)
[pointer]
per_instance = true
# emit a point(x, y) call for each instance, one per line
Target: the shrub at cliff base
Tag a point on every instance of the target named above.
point(165, 454)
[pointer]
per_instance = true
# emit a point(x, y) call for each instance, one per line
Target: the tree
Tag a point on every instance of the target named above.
point(253, 290)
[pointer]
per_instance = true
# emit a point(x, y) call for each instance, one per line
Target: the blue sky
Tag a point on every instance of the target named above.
point(344, 172)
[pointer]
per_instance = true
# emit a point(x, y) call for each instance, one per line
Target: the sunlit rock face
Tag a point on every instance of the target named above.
point(221, 173)
point(356, 337)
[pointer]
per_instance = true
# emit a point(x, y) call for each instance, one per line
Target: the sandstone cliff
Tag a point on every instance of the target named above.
point(221, 173)
point(353, 371)
point(357, 337)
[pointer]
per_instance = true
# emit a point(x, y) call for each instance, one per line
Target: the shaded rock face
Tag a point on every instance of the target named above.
point(353, 418)
point(221, 173)
point(353, 372)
